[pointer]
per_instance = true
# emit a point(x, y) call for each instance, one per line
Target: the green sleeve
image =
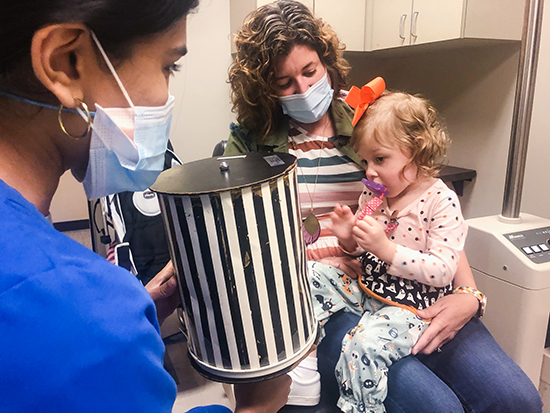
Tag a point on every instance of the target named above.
point(238, 141)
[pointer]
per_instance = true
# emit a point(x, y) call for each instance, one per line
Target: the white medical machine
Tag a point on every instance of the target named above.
point(510, 254)
point(511, 265)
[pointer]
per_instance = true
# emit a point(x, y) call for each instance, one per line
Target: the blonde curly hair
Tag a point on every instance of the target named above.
point(409, 122)
point(269, 33)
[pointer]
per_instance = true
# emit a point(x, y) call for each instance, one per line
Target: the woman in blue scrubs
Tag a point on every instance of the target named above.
point(84, 87)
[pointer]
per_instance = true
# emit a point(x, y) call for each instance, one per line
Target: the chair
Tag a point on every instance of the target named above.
point(128, 230)
point(219, 149)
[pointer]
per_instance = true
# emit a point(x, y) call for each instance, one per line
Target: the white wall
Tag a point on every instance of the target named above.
point(203, 110)
point(536, 192)
point(69, 202)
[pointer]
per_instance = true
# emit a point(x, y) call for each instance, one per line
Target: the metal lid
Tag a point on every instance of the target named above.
point(223, 173)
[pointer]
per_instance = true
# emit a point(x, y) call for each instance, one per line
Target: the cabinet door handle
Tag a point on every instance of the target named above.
point(402, 26)
point(413, 24)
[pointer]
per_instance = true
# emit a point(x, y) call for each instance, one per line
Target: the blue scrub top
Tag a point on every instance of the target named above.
point(77, 334)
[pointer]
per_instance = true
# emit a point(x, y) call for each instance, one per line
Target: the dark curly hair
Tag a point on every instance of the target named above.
point(269, 33)
point(119, 24)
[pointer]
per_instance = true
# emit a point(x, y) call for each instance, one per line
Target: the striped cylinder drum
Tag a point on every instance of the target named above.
point(235, 239)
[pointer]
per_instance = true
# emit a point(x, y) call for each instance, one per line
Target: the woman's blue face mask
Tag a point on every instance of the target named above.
point(127, 145)
point(310, 106)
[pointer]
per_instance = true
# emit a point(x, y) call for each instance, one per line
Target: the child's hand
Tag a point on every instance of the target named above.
point(342, 222)
point(370, 236)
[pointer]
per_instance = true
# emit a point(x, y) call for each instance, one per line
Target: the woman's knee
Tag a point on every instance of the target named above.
point(412, 387)
point(505, 398)
point(483, 376)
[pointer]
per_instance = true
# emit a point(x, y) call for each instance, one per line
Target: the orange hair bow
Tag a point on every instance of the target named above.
point(360, 99)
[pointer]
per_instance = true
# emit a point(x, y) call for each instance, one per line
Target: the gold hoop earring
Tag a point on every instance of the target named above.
point(62, 125)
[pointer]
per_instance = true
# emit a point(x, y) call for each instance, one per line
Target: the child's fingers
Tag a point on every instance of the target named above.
point(366, 224)
point(364, 232)
point(346, 209)
point(359, 232)
point(342, 210)
point(341, 213)
point(358, 229)
point(336, 211)
point(335, 218)
point(368, 220)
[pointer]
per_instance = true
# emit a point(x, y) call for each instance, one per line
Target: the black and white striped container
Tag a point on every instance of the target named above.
point(235, 236)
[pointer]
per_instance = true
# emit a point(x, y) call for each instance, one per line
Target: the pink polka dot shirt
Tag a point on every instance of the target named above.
point(429, 238)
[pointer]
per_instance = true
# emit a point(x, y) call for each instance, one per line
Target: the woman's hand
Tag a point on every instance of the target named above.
point(449, 314)
point(262, 397)
point(163, 289)
point(349, 265)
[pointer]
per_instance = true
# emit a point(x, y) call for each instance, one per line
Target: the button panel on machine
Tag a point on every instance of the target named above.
point(534, 243)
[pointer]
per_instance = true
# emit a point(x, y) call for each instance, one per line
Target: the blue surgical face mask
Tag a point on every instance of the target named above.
point(310, 106)
point(127, 145)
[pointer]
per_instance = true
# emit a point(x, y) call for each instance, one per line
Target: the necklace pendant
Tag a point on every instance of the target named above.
point(311, 229)
point(393, 222)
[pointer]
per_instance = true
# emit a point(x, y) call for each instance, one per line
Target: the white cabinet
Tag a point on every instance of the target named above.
point(394, 23)
point(365, 25)
point(404, 22)
point(347, 18)
point(388, 24)
point(494, 19)
point(436, 20)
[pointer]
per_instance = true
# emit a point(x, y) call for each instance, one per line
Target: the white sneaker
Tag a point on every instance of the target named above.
point(305, 389)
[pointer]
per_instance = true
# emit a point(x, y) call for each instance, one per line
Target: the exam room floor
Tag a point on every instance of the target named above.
point(193, 389)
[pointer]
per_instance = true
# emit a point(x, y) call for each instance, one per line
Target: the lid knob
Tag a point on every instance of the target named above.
point(224, 166)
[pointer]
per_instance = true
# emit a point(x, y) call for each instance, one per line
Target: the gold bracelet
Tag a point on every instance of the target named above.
point(482, 298)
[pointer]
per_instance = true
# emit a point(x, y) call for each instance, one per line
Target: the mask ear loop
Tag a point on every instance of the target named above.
point(112, 69)
point(87, 117)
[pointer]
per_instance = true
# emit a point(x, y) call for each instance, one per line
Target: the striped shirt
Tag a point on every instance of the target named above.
point(325, 177)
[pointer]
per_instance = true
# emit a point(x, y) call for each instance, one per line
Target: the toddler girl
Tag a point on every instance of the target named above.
point(409, 245)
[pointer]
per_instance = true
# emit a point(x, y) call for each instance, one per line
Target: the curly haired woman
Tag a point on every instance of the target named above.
point(287, 82)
